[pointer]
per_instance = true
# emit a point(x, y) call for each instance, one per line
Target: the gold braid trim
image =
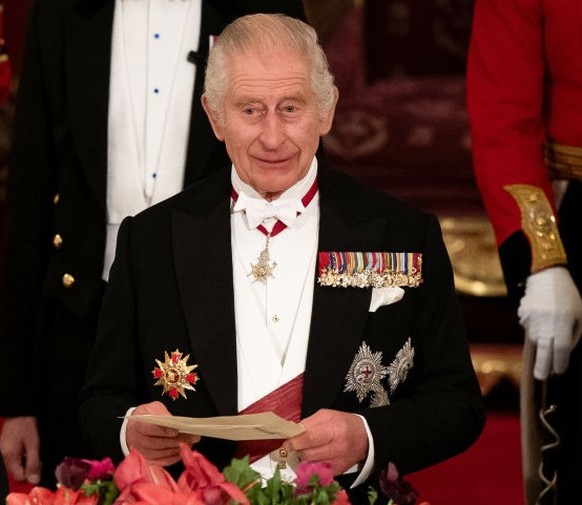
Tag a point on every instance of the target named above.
point(539, 225)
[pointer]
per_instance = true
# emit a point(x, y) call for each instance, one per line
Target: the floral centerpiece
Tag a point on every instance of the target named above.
point(135, 481)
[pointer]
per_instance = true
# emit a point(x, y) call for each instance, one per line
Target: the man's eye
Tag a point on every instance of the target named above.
point(248, 111)
point(290, 108)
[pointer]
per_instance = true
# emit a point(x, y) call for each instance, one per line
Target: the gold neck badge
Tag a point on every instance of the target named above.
point(263, 269)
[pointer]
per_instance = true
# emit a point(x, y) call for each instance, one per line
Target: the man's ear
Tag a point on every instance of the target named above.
point(215, 121)
point(326, 120)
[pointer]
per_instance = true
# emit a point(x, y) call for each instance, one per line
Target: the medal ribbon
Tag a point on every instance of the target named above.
point(355, 261)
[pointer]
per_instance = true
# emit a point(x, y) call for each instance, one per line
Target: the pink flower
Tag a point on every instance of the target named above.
point(100, 470)
point(305, 470)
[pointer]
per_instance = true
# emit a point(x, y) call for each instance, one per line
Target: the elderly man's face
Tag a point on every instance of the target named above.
point(271, 123)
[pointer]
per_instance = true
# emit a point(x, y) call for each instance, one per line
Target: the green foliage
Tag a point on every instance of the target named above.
point(276, 491)
point(106, 490)
point(240, 473)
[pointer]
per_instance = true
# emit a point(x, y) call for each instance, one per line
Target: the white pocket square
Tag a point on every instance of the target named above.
point(385, 296)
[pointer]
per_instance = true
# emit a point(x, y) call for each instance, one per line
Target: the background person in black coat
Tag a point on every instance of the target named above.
point(384, 372)
point(59, 212)
point(3, 480)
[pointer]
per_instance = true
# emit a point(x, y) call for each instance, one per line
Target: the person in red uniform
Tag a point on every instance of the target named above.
point(524, 89)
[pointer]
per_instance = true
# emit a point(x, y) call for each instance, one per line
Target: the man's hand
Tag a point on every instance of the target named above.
point(157, 444)
point(330, 435)
point(551, 314)
point(19, 445)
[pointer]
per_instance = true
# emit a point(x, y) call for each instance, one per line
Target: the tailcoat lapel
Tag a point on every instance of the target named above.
point(88, 31)
point(339, 314)
point(203, 264)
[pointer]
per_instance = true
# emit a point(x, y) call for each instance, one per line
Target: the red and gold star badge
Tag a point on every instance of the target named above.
point(175, 375)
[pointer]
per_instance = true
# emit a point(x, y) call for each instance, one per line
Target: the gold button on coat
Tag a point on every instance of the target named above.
point(68, 280)
point(57, 241)
point(56, 199)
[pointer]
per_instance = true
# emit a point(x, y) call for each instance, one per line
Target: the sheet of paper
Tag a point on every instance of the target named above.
point(266, 425)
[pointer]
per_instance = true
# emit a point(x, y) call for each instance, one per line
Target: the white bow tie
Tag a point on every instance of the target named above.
point(258, 210)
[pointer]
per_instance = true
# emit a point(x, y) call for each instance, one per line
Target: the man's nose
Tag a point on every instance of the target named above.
point(272, 132)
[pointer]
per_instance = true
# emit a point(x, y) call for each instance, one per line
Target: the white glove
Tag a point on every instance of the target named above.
point(551, 315)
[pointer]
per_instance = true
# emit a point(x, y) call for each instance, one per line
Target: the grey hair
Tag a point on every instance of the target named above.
point(275, 31)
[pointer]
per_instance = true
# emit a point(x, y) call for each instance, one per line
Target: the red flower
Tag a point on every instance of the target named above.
point(342, 498)
point(395, 488)
point(39, 495)
point(43, 496)
point(147, 493)
point(200, 484)
point(64, 496)
point(200, 474)
point(72, 472)
point(134, 471)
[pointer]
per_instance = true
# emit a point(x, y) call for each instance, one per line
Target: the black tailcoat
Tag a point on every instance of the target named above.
point(171, 287)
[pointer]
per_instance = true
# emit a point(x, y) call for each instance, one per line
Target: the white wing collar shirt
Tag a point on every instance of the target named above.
point(150, 100)
point(273, 317)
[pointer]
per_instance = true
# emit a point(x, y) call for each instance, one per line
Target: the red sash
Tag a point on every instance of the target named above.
point(285, 401)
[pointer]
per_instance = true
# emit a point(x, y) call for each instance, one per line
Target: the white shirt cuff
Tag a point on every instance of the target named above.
point(368, 463)
point(122, 439)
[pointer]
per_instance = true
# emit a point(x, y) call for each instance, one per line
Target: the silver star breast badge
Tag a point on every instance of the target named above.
point(399, 368)
point(365, 375)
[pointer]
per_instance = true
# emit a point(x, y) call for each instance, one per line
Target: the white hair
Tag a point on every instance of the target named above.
point(275, 31)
